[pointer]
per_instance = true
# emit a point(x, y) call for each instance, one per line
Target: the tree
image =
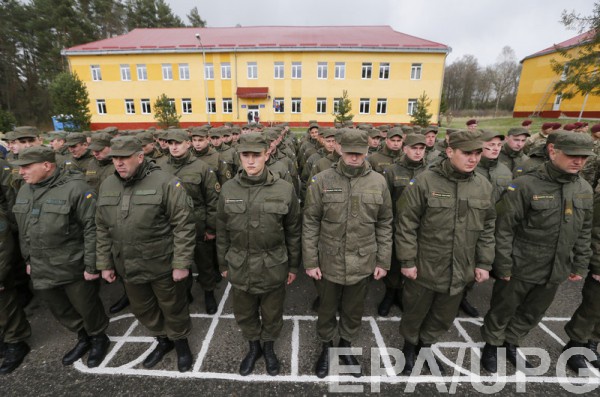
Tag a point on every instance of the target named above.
point(579, 69)
point(504, 76)
point(70, 101)
point(460, 82)
point(344, 108)
point(7, 121)
point(151, 14)
point(420, 115)
point(165, 113)
point(195, 19)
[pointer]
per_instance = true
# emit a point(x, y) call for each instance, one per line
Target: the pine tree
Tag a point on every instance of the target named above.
point(70, 101)
point(195, 19)
point(344, 108)
point(165, 113)
point(420, 115)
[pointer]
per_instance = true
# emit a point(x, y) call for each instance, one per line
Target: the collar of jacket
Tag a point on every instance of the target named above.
point(488, 163)
point(181, 161)
point(555, 174)
point(388, 152)
point(509, 152)
point(145, 169)
point(58, 178)
point(446, 170)
point(105, 162)
point(408, 163)
point(333, 156)
point(202, 152)
point(352, 172)
point(266, 178)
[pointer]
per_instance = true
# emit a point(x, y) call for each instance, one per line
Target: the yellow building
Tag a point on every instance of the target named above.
point(291, 74)
point(536, 96)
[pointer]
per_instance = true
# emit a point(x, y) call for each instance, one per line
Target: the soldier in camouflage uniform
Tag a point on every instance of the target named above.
point(512, 154)
point(151, 152)
point(391, 151)
point(81, 156)
point(101, 167)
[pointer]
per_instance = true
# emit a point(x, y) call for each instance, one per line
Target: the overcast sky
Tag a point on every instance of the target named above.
point(477, 27)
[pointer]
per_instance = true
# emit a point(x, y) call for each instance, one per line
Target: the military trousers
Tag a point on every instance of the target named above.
point(162, 306)
point(393, 279)
point(77, 306)
point(14, 326)
point(515, 309)
point(350, 300)
point(259, 316)
point(205, 263)
point(585, 323)
point(427, 314)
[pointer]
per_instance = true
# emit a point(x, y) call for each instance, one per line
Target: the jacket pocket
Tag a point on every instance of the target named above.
point(477, 212)
point(276, 266)
point(54, 224)
point(544, 214)
point(370, 207)
point(234, 210)
point(334, 207)
point(440, 213)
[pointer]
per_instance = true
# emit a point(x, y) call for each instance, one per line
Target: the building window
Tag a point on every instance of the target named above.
point(142, 73)
point(209, 71)
point(184, 71)
point(322, 70)
point(186, 106)
point(129, 106)
point(340, 71)
point(172, 103)
point(167, 71)
point(211, 105)
point(278, 105)
point(296, 70)
point(101, 106)
point(412, 106)
point(252, 70)
point(384, 71)
point(415, 71)
point(381, 106)
point(364, 106)
point(367, 70)
point(296, 105)
point(321, 105)
point(125, 73)
point(96, 74)
point(146, 109)
point(336, 105)
point(279, 70)
point(226, 71)
point(227, 105)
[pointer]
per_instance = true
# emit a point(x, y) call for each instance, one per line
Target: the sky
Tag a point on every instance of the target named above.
point(477, 27)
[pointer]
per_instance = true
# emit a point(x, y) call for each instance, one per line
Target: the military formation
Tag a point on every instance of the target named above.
point(254, 206)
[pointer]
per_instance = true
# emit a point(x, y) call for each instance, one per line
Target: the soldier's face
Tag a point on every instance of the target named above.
point(163, 144)
point(127, 166)
point(78, 150)
point(148, 148)
point(254, 163)
point(199, 142)
point(329, 143)
point(394, 143)
point(491, 149)
point(235, 137)
point(415, 152)
point(57, 144)
point(353, 159)
point(101, 154)
point(314, 133)
point(374, 142)
point(23, 143)
point(178, 149)
point(464, 161)
point(430, 139)
point(36, 172)
point(472, 127)
point(227, 138)
point(516, 142)
point(215, 141)
point(567, 163)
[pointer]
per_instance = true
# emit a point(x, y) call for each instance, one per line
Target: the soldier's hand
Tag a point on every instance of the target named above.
point(28, 269)
point(575, 277)
point(505, 278)
point(314, 273)
point(109, 275)
point(596, 277)
point(89, 276)
point(379, 273)
point(481, 275)
point(291, 278)
point(208, 236)
point(409, 272)
point(180, 274)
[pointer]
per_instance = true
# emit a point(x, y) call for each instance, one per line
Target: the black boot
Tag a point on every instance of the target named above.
point(24, 295)
point(98, 350)
point(398, 299)
point(184, 355)
point(489, 358)
point(576, 361)
point(350, 359)
point(219, 277)
point(386, 304)
point(82, 346)
point(210, 302)
point(247, 364)
point(322, 367)
point(410, 354)
point(164, 346)
point(437, 361)
point(315, 304)
point(14, 355)
point(511, 355)
point(119, 305)
point(467, 308)
point(593, 346)
point(271, 361)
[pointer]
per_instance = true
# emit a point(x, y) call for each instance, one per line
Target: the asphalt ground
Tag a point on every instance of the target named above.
point(218, 348)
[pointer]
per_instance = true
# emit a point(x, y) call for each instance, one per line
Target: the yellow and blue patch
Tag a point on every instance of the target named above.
point(512, 187)
point(411, 182)
point(88, 195)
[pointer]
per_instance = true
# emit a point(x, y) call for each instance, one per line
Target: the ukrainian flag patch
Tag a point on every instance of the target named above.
point(512, 187)
point(89, 195)
point(411, 182)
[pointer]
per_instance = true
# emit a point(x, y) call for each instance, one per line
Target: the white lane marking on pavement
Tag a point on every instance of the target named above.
point(551, 333)
point(295, 347)
point(382, 348)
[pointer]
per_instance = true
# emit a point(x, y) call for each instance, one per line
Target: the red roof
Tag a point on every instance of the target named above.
point(252, 92)
point(255, 38)
point(572, 42)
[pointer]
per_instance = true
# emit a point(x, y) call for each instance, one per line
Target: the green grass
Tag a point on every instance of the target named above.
point(503, 124)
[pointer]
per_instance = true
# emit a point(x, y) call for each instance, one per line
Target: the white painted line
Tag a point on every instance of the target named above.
point(382, 348)
point(295, 347)
point(551, 333)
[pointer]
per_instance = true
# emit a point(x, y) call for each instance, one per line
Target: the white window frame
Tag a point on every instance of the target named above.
point(296, 105)
point(384, 71)
point(416, 70)
point(381, 106)
point(252, 70)
point(211, 106)
point(172, 103)
point(336, 105)
point(142, 72)
point(322, 70)
point(321, 105)
point(340, 71)
point(129, 106)
point(125, 72)
point(281, 108)
point(145, 106)
point(364, 106)
point(184, 71)
point(366, 71)
point(101, 106)
point(209, 71)
point(278, 70)
point(227, 105)
point(167, 71)
point(186, 105)
point(225, 71)
point(296, 71)
point(412, 105)
point(96, 72)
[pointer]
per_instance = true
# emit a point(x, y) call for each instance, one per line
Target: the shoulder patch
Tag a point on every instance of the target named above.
point(177, 183)
point(218, 187)
point(512, 187)
point(411, 182)
point(88, 195)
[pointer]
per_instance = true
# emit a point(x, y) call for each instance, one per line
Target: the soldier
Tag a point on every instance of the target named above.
point(146, 232)
point(201, 148)
point(101, 167)
point(309, 145)
point(81, 156)
point(398, 177)
point(542, 239)
point(444, 240)
point(14, 327)
point(151, 152)
point(258, 226)
point(58, 140)
point(471, 125)
point(431, 152)
point(326, 162)
point(200, 183)
point(512, 154)
point(526, 124)
point(494, 171)
point(227, 167)
point(346, 238)
point(282, 166)
point(327, 137)
point(374, 140)
point(54, 211)
point(541, 136)
point(389, 153)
